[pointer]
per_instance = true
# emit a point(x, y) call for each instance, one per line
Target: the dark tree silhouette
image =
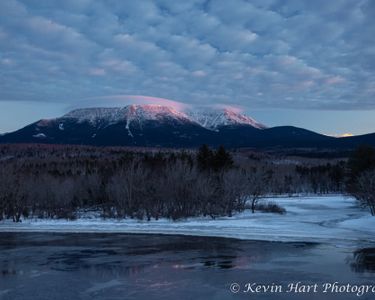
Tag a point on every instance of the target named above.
point(361, 183)
point(204, 157)
point(362, 159)
point(222, 159)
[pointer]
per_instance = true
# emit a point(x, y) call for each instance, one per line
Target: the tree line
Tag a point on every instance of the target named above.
point(57, 181)
point(138, 185)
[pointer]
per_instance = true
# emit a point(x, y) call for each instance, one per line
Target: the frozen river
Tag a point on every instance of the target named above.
point(322, 248)
point(125, 266)
point(328, 219)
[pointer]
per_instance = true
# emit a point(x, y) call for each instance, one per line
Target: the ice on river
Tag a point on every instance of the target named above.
point(308, 219)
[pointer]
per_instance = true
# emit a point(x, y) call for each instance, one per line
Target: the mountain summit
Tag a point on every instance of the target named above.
point(208, 117)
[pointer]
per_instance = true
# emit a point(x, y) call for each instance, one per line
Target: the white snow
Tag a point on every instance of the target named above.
point(130, 113)
point(309, 219)
point(208, 117)
point(93, 115)
point(39, 136)
point(212, 118)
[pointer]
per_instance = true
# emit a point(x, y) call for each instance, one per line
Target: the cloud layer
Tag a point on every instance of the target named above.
point(255, 54)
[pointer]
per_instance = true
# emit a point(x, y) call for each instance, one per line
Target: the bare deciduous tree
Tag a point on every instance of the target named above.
point(257, 186)
point(365, 189)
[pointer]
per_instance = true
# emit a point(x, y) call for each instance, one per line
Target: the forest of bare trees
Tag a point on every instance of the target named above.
point(57, 181)
point(361, 183)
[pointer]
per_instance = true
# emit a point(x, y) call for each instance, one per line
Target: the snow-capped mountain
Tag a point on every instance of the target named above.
point(164, 126)
point(209, 118)
point(131, 115)
point(140, 125)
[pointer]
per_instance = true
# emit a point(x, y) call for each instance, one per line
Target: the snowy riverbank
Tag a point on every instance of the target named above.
point(308, 219)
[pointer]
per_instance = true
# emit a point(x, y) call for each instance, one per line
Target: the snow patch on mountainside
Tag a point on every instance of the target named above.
point(210, 118)
point(39, 136)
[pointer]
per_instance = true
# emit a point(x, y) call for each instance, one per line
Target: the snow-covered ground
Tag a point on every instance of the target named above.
point(309, 219)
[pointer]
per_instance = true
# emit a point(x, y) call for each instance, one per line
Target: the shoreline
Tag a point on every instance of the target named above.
point(319, 219)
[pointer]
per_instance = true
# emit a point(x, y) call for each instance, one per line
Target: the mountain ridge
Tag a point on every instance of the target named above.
point(152, 125)
point(208, 117)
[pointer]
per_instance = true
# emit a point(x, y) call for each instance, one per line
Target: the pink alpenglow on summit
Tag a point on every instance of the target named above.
point(208, 117)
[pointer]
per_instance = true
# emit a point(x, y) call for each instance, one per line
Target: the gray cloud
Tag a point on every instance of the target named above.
point(255, 54)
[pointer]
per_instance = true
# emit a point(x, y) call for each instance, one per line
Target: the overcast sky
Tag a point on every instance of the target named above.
point(304, 63)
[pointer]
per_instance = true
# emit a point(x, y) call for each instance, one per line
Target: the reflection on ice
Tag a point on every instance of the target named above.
point(123, 266)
